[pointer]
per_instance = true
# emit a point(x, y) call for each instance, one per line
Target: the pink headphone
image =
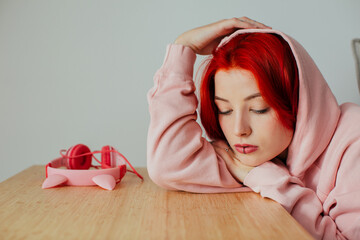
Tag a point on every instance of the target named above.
point(77, 161)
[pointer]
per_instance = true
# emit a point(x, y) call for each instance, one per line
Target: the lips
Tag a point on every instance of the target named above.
point(245, 148)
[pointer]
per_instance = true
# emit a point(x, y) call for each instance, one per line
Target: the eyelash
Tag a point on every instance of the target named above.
point(262, 111)
point(224, 113)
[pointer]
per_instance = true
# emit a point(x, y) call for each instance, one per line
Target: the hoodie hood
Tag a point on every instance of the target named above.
point(318, 111)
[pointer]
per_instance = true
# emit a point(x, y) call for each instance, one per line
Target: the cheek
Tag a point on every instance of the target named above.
point(267, 127)
point(274, 133)
point(225, 125)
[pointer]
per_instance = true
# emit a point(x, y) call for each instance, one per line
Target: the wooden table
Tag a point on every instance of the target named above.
point(135, 210)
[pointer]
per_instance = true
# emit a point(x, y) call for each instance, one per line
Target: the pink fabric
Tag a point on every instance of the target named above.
point(319, 186)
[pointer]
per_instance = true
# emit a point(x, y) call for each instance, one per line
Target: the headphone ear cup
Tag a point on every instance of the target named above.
point(82, 162)
point(106, 157)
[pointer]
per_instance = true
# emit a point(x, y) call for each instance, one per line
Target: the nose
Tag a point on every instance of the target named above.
point(242, 126)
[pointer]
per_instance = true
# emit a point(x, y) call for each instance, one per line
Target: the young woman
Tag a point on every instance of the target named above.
point(275, 126)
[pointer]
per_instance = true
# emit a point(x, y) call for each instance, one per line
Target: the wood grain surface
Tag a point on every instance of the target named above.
point(135, 209)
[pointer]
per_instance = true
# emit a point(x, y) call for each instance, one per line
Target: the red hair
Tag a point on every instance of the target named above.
point(269, 58)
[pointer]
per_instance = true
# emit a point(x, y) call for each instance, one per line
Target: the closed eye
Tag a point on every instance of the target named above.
point(262, 111)
point(225, 112)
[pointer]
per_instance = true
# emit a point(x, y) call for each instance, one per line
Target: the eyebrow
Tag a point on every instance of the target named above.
point(255, 95)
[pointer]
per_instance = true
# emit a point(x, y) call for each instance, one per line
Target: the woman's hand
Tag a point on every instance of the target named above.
point(237, 169)
point(203, 40)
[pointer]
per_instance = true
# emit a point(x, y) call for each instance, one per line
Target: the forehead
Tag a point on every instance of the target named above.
point(235, 81)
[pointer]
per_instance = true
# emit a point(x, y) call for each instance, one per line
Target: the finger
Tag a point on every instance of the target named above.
point(256, 23)
point(236, 23)
point(253, 23)
point(227, 26)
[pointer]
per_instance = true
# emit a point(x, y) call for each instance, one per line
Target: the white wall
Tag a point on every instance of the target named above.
point(78, 71)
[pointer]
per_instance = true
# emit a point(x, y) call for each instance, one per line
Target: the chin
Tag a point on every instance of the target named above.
point(249, 161)
point(252, 161)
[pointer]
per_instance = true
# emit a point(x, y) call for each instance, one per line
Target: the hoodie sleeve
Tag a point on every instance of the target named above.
point(337, 218)
point(178, 157)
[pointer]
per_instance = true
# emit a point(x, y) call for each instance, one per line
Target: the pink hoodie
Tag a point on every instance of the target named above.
point(320, 184)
